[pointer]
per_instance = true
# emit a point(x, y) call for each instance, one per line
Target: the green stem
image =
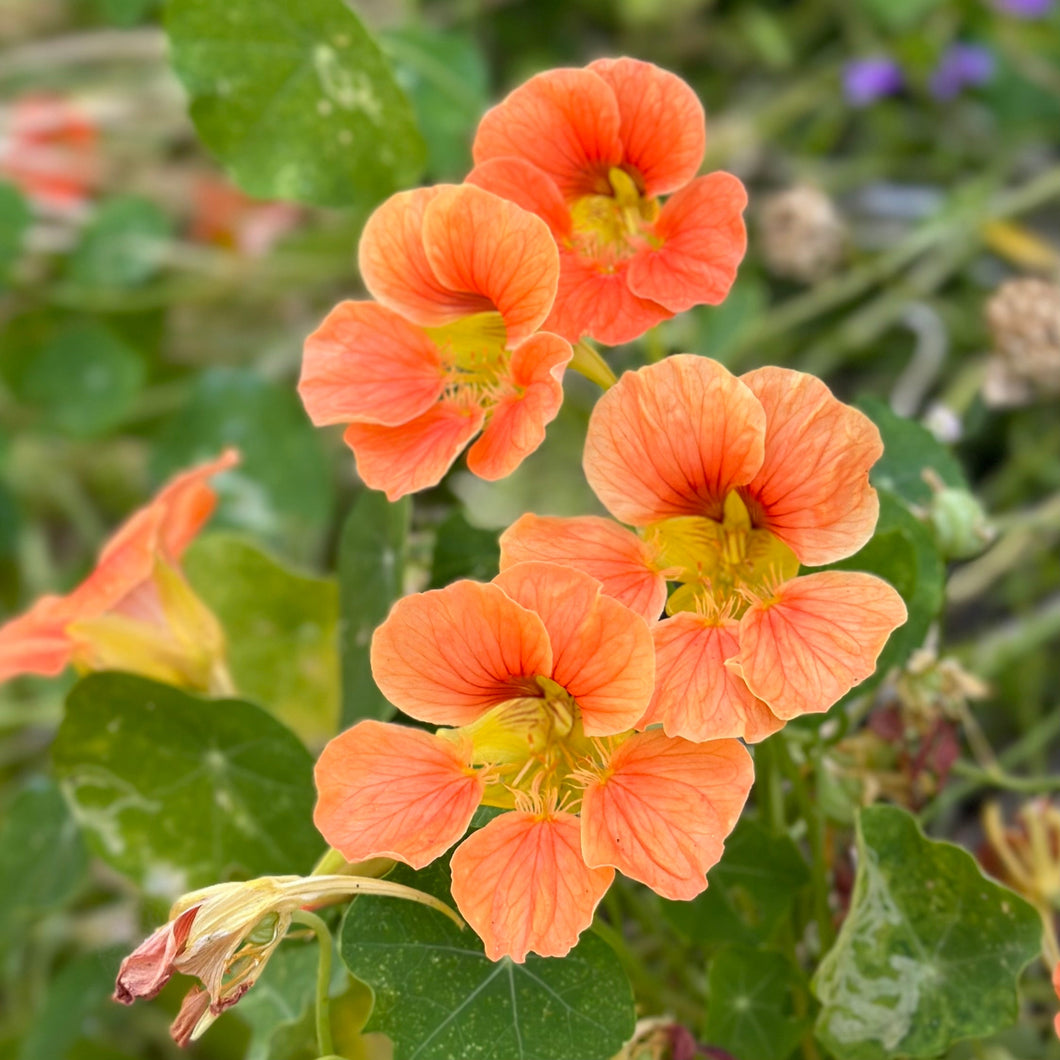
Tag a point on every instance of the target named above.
point(1025, 747)
point(588, 362)
point(997, 778)
point(815, 833)
point(323, 1003)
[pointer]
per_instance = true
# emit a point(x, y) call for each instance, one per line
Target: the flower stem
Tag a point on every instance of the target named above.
point(323, 1002)
point(588, 362)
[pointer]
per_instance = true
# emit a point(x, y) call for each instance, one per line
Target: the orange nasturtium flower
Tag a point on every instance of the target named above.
point(49, 151)
point(591, 151)
point(542, 679)
point(224, 936)
point(733, 485)
point(463, 281)
point(135, 611)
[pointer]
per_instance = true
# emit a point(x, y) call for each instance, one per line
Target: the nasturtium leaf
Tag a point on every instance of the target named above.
point(463, 551)
point(750, 1009)
point(14, 220)
point(44, 857)
point(446, 78)
point(84, 380)
point(71, 1004)
point(750, 890)
point(281, 630)
point(929, 953)
point(282, 489)
point(909, 449)
point(179, 792)
point(122, 246)
point(296, 99)
point(372, 556)
point(902, 551)
point(438, 996)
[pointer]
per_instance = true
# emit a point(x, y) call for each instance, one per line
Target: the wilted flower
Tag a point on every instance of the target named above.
point(136, 610)
point(802, 233)
point(224, 936)
point(1024, 319)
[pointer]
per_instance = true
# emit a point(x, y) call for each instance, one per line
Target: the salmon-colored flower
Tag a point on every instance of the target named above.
point(542, 678)
point(462, 281)
point(49, 150)
point(135, 611)
point(224, 936)
point(733, 484)
point(224, 216)
point(592, 151)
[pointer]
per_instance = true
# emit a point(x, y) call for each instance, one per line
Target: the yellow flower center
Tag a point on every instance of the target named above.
point(610, 227)
point(475, 355)
point(534, 749)
point(721, 566)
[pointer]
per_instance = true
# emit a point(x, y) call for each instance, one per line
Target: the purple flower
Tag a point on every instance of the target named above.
point(867, 80)
point(961, 67)
point(1028, 9)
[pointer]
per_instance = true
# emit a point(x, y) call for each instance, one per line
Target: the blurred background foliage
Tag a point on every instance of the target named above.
point(903, 163)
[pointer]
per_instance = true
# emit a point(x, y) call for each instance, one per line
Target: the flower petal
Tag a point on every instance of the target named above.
point(702, 240)
point(565, 122)
point(37, 642)
point(414, 455)
point(521, 883)
point(817, 637)
point(367, 364)
point(515, 426)
point(394, 792)
point(448, 655)
point(602, 652)
point(813, 490)
point(150, 966)
point(621, 562)
point(523, 183)
point(673, 439)
point(663, 130)
point(661, 812)
point(395, 267)
point(478, 242)
point(594, 299)
point(696, 695)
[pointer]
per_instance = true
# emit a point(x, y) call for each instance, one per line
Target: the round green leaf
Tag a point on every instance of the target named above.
point(281, 631)
point(929, 953)
point(909, 449)
point(84, 380)
point(179, 792)
point(295, 99)
point(438, 996)
point(44, 860)
point(749, 1007)
point(122, 246)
